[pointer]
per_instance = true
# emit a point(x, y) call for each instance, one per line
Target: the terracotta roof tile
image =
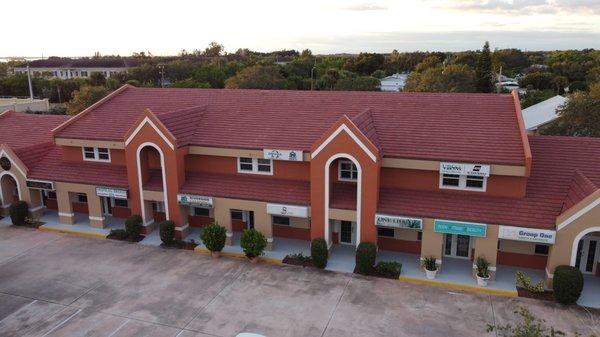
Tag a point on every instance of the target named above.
point(580, 188)
point(18, 129)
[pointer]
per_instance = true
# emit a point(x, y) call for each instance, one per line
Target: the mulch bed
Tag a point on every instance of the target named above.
point(180, 245)
point(547, 295)
point(297, 262)
point(126, 239)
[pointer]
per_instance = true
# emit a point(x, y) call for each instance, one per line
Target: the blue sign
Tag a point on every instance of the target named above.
point(459, 227)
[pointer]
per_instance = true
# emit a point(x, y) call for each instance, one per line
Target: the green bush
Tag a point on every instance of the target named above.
point(133, 226)
point(319, 252)
point(483, 267)
point(429, 263)
point(18, 212)
point(389, 269)
point(366, 254)
point(525, 283)
point(567, 284)
point(253, 243)
point(117, 234)
point(166, 229)
point(213, 236)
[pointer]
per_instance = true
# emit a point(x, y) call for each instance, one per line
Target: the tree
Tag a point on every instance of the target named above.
point(178, 70)
point(452, 78)
point(360, 83)
point(431, 61)
point(257, 77)
point(214, 49)
point(511, 60)
point(85, 97)
point(534, 97)
point(580, 116)
point(365, 63)
point(560, 82)
point(537, 80)
point(483, 72)
point(97, 78)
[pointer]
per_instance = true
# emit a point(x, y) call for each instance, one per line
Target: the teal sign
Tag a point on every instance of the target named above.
point(459, 227)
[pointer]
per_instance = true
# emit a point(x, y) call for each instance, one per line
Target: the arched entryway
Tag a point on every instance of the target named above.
point(585, 255)
point(152, 183)
point(9, 189)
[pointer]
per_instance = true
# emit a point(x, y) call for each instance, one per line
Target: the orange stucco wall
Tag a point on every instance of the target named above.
point(75, 153)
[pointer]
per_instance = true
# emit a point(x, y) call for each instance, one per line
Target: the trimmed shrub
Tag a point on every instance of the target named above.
point(388, 269)
point(253, 243)
point(483, 267)
point(213, 236)
point(525, 283)
point(429, 263)
point(366, 254)
point(133, 226)
point(18, 212)
point(567, 284)
point(319, 252)
point(117, 234)
point(166, 229)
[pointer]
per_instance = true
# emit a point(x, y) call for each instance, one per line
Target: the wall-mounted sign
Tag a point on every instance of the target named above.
point(526, 234)
point(195, 200)
point(110, 192)
point(459, 227)
point(288, 210)
point(465, 169)
point(40, 184)
point(5, 163)
point(292, 155)
point(398, 221)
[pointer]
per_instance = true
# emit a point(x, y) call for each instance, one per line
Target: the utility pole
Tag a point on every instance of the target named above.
point(29, 80)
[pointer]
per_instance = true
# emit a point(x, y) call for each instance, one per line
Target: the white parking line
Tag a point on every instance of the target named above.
point(21, 308)
point(119, 328)
point(61, 323)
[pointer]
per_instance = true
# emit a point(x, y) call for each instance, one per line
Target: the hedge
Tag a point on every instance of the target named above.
point(319, 252)
point(567, 284)
point(18, 213)
point(166, 230)
point(133, 226)
point(366, 254)
point(213, 236)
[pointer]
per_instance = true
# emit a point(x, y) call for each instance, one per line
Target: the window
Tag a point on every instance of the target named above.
point(199, 211)
point(84, 73)
point(347, 171)
point(236, 215)
point(121, 203)
point(158, 206)
point(463, 182)
point(255, 165)
point(384, 231)
point(81, 197)
point(542, 249)
point(281, 220)
point(419, 236)
point(96, 153)
point(50, 194)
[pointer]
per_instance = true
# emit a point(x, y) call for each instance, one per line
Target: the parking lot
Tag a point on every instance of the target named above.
point(59, 285)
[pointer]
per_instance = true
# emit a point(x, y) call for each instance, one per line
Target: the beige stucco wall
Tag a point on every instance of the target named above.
point(487, 248)
point(31, 196)
point(262, 220)
point(342, 214)
point(432, 243)
point(67, 192)
point(298, 222)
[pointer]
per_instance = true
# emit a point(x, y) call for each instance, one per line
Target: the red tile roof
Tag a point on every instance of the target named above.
point(18, 129)
point(556, 163)
point(248, 187)
point(443, 126)
point(580, 188)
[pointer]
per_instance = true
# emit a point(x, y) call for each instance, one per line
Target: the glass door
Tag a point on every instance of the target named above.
point(456, 245)
point(587, 255)
point(346, 232)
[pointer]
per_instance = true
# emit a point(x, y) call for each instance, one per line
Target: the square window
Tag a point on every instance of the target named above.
point(236, 215)
point(451, 180)
point(199, 211)
point(89, 153)
point(385, 231)
point(542, 249)
point(347, 170)
point(121, 203)
point(82, 197)
point(281, 220)
point(246, 164)
point(419, 236)
point(103, 153)
point(51, 194)
point(264, 165)
point(474, 182)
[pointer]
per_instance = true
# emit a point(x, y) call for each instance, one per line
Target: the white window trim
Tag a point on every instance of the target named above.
point(462, 184)
point(96, 154)
point(340, 162)
point(255, 166)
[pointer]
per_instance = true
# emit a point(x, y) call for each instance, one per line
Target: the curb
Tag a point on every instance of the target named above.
point(73, 232)
point(266, 259)
point(452, 285)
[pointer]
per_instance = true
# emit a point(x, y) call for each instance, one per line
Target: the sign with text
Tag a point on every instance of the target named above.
point(461, 228)
point(288, 210)
point(109, 192)
point(465, 169)
point(526, 234)
point(40, 184)
point(398, 222)
point(273, 154)
point(195, 200)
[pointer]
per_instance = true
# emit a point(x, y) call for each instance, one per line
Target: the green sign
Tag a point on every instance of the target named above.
point(461, 228)
point(398, 222)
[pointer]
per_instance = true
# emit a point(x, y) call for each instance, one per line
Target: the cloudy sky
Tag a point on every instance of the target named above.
point(79, 28)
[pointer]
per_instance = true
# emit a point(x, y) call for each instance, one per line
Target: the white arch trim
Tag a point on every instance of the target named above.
point(578, 214)
point(145, 121)
point(164, 178)
point(6, 173)
point(345, 128)
point(358, 195)
point(576, 242)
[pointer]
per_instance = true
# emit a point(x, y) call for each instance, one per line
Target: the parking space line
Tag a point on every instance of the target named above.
point(61, 323)
point(119, 328)
point(21, 308)
point(336, 306)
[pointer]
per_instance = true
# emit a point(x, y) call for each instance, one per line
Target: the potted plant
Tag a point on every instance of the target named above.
point(253, 244)
point(483, 273)
point(213, 236)
point(430, 267)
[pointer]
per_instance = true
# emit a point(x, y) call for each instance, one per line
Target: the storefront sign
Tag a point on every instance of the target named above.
point(288, 210)
point(459, 227)
point(526, 234)
point(398, 221)
point(292, 155)
point(5, 163)
point(195, 200)
point(40, 184)
point(110, 192)
point(465, 169)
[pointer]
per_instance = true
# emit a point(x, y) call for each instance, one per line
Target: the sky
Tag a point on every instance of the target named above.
point(121, 27)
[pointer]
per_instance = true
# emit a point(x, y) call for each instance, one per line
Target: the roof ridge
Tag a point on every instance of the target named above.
point(365, 123)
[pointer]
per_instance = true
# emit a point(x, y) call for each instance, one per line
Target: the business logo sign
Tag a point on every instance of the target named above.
point(40, 184)
point(291, 155)
point(526, 234)
point(195, 200)
point(393, 221)
point(461, 228)
point(5, 163)
point(109, 192)
point(288, 210)
point(465, 169)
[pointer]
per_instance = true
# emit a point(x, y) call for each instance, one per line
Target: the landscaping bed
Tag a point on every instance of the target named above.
point(298, 260)
point(546, 295)
point(121, 235)
point(180, 244)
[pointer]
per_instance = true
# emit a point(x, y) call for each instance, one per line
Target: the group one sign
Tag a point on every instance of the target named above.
point(195, 200)
point(526, 234)
point(287, 210)
point(460, 228)
point(465, 169)
point(383, 220)
point(291, 155)
point(117, 193)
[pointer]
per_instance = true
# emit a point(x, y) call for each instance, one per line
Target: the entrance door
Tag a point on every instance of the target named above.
point(456, 245)
point(248, 217)
point(587, 254)
point(346, 232)
point(107, 205)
